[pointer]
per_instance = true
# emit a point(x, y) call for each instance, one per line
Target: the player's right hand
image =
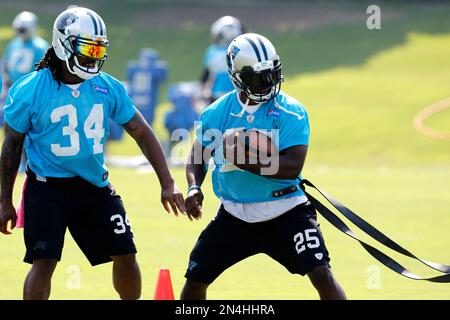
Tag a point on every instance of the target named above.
point(7, 213)
point(194, 201)
point(171, 195)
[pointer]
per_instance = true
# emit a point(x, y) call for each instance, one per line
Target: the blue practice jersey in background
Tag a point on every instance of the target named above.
point(20, 57)
point(283, 113)
point(215, 60)
point(66, 128)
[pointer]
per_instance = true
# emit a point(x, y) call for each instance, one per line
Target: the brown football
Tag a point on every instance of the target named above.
point(257, 143)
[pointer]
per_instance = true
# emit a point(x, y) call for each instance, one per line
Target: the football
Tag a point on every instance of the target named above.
point(254, 143)
point(257, 143)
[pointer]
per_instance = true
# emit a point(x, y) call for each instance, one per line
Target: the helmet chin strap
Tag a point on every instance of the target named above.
point(241, 113)
point(244, 107)
point(77, 71)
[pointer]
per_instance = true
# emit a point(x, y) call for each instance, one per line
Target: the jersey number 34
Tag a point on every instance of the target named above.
point(93, 129)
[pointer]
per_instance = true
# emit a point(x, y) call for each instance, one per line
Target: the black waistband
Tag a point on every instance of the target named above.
point(34, 176)
point(282, 192)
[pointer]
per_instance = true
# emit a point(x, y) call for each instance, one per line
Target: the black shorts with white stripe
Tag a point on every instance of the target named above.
point(293, 239)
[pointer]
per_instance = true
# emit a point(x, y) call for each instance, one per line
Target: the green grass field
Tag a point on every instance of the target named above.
point(362, 89)
point(409, 203)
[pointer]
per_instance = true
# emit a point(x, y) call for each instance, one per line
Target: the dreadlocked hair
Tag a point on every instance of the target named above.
point(51, 61)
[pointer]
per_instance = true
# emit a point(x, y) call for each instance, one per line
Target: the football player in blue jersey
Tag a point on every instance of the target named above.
point(261, 210)
point(214, 80)
point(21, 55)
point(24, 51)
point(60, 113)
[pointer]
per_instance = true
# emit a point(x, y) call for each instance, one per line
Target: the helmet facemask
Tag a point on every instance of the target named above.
point(87, 55)
point(262, 85)
point(24, 33)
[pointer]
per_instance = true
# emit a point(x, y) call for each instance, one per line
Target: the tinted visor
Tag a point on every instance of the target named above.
point(262, 79)
point(89, 48)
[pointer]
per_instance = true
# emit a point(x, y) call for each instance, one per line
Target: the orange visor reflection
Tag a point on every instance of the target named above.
point(91, 50)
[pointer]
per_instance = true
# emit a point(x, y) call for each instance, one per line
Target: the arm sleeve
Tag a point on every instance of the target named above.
point(201, 126)
point(207, 130)
point(124, 108)
point(206, 57)
point(17, 112)
point(294, 129)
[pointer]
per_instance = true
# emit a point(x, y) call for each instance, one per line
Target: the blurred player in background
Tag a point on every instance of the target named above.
point(21, 54)
point(61, 113)
point(261, 211)
point(215, 80)
point(24, 51)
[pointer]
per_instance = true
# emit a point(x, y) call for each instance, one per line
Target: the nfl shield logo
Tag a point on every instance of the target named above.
point(75, 93)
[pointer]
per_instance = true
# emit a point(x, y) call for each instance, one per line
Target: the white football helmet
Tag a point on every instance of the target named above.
point(225, 29)
point(25, 24)
point(254, 67)
point(80, 33)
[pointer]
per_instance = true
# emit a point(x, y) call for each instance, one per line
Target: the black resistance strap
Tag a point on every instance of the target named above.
point(375, 234)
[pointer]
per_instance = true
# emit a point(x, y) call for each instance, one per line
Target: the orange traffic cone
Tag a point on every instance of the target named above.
point(164, 289)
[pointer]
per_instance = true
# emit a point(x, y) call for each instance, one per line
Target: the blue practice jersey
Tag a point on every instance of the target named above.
point(215, 61)
point(283, 117)
point(20, 57)
point(66, 129)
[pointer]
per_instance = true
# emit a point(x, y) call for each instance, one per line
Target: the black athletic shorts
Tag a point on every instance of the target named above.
point(95, 216)
point(293, 239)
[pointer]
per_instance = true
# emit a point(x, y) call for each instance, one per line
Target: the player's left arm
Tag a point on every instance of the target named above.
point(142, 133)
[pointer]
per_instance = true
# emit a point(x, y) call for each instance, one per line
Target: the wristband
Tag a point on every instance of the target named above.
point(194, 187)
